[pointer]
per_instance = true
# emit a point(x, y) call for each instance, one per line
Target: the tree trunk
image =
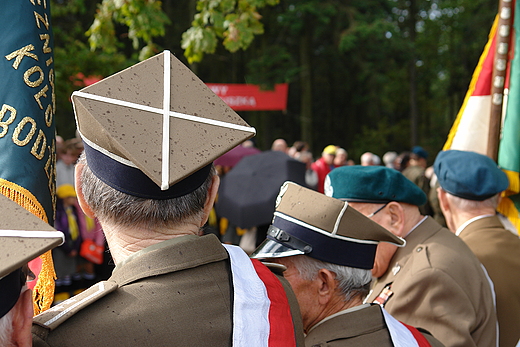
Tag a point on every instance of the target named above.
point(306, 83)
point(414, 123)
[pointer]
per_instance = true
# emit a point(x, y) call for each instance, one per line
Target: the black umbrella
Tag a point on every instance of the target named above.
point(248, 192)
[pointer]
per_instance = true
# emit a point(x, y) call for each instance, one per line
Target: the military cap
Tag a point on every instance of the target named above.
point(372, 184)
point(154, 129)
point(310, 223)
point(469, 175)
point(23, 237)
point(420, 152)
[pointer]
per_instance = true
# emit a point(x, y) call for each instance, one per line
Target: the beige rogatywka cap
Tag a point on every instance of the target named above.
point(154, 129)
point(310, 223)
point(23, 237)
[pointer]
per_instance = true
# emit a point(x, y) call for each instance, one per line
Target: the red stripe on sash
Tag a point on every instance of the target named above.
point(280, 319)
point(421, 340)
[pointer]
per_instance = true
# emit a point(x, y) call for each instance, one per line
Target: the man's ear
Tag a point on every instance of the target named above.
point(210, 199)
point(22, 320)
point(326, 284)
point(443, 200)
point(397, 220)
point(79, 191)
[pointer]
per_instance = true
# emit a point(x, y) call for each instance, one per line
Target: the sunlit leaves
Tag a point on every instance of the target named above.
point(143, 18)
point(234, 22)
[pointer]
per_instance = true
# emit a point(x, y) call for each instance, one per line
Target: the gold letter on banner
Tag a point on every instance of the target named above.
point(5, 125)
point(46, 48)
point(34, 150)
point(19, 129)
point(39, 19)
point(41, 93)
point(28, 74)
point(19, 54)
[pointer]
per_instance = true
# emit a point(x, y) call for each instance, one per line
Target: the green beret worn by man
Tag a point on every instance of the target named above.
point(328, 249)
point(435, 281)
point(23, 237)
point(151, 133)
point(469, 195)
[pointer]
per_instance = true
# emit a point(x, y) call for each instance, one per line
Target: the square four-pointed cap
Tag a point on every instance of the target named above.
point(23, 237)
point(153, 129)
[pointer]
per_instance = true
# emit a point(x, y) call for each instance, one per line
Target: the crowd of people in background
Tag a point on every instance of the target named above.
point(412, 164)
point(81, 260)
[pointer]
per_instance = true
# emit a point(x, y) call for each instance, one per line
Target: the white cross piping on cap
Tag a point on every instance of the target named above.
point(165, 111)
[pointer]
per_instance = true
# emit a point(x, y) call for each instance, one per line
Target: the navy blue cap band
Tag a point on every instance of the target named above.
point(329, 249)
point(10, 287)
point(132, 181)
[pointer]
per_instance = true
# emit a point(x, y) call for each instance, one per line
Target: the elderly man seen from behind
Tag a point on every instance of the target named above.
point(328, 249)
point(147, 175)
point(469, 194)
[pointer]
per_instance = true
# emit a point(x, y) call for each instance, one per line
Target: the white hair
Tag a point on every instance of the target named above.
point(369, 158)
point(122, 209)
point(389, 158)
point(466, 205)
point(352, 282)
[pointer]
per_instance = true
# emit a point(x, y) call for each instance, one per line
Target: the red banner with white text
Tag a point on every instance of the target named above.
point(249, 97)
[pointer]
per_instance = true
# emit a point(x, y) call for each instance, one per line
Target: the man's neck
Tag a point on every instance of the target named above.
point(123, 241)
point(334, 307)
point(459, 217)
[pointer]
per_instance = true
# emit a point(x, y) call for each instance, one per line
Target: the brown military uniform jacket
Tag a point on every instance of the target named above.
point(175, 293)
point(361, 328)
point(499, 251)
point(438, 284)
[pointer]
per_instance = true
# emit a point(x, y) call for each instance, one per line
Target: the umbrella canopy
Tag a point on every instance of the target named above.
point(232, 157)
point(248, 192)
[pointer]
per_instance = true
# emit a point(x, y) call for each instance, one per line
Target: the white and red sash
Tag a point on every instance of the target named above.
point(261, 312)
point(404, 335)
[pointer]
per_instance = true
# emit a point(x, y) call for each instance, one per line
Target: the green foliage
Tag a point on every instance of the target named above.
point(358, 58)
point(73, 58)
point(274, 65)
point(236, 22)
point(143, 18)
point(380, 139)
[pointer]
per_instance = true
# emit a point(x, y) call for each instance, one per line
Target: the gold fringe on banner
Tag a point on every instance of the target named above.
point(43, 292)
point(506, 206)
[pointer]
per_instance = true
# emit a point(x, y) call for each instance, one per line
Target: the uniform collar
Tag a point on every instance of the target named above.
point(469, 221)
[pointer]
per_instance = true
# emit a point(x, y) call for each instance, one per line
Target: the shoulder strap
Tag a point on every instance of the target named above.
point(56, 315)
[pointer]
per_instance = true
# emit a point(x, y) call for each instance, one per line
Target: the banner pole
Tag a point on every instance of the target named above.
point(499, 76)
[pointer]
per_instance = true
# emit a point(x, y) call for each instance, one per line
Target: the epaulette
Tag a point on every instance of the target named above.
point(277, 269)
point(58, 314)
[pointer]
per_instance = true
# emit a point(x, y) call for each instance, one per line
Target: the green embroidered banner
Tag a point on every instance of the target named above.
point(27, 106)
point(27, 130)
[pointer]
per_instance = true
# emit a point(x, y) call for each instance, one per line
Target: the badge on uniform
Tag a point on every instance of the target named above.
point(384, 296)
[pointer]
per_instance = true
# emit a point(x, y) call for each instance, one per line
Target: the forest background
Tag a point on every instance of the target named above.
point(366, 75)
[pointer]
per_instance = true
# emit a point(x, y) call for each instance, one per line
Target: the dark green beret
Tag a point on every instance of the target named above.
point(372, 184)
point(469, 175)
